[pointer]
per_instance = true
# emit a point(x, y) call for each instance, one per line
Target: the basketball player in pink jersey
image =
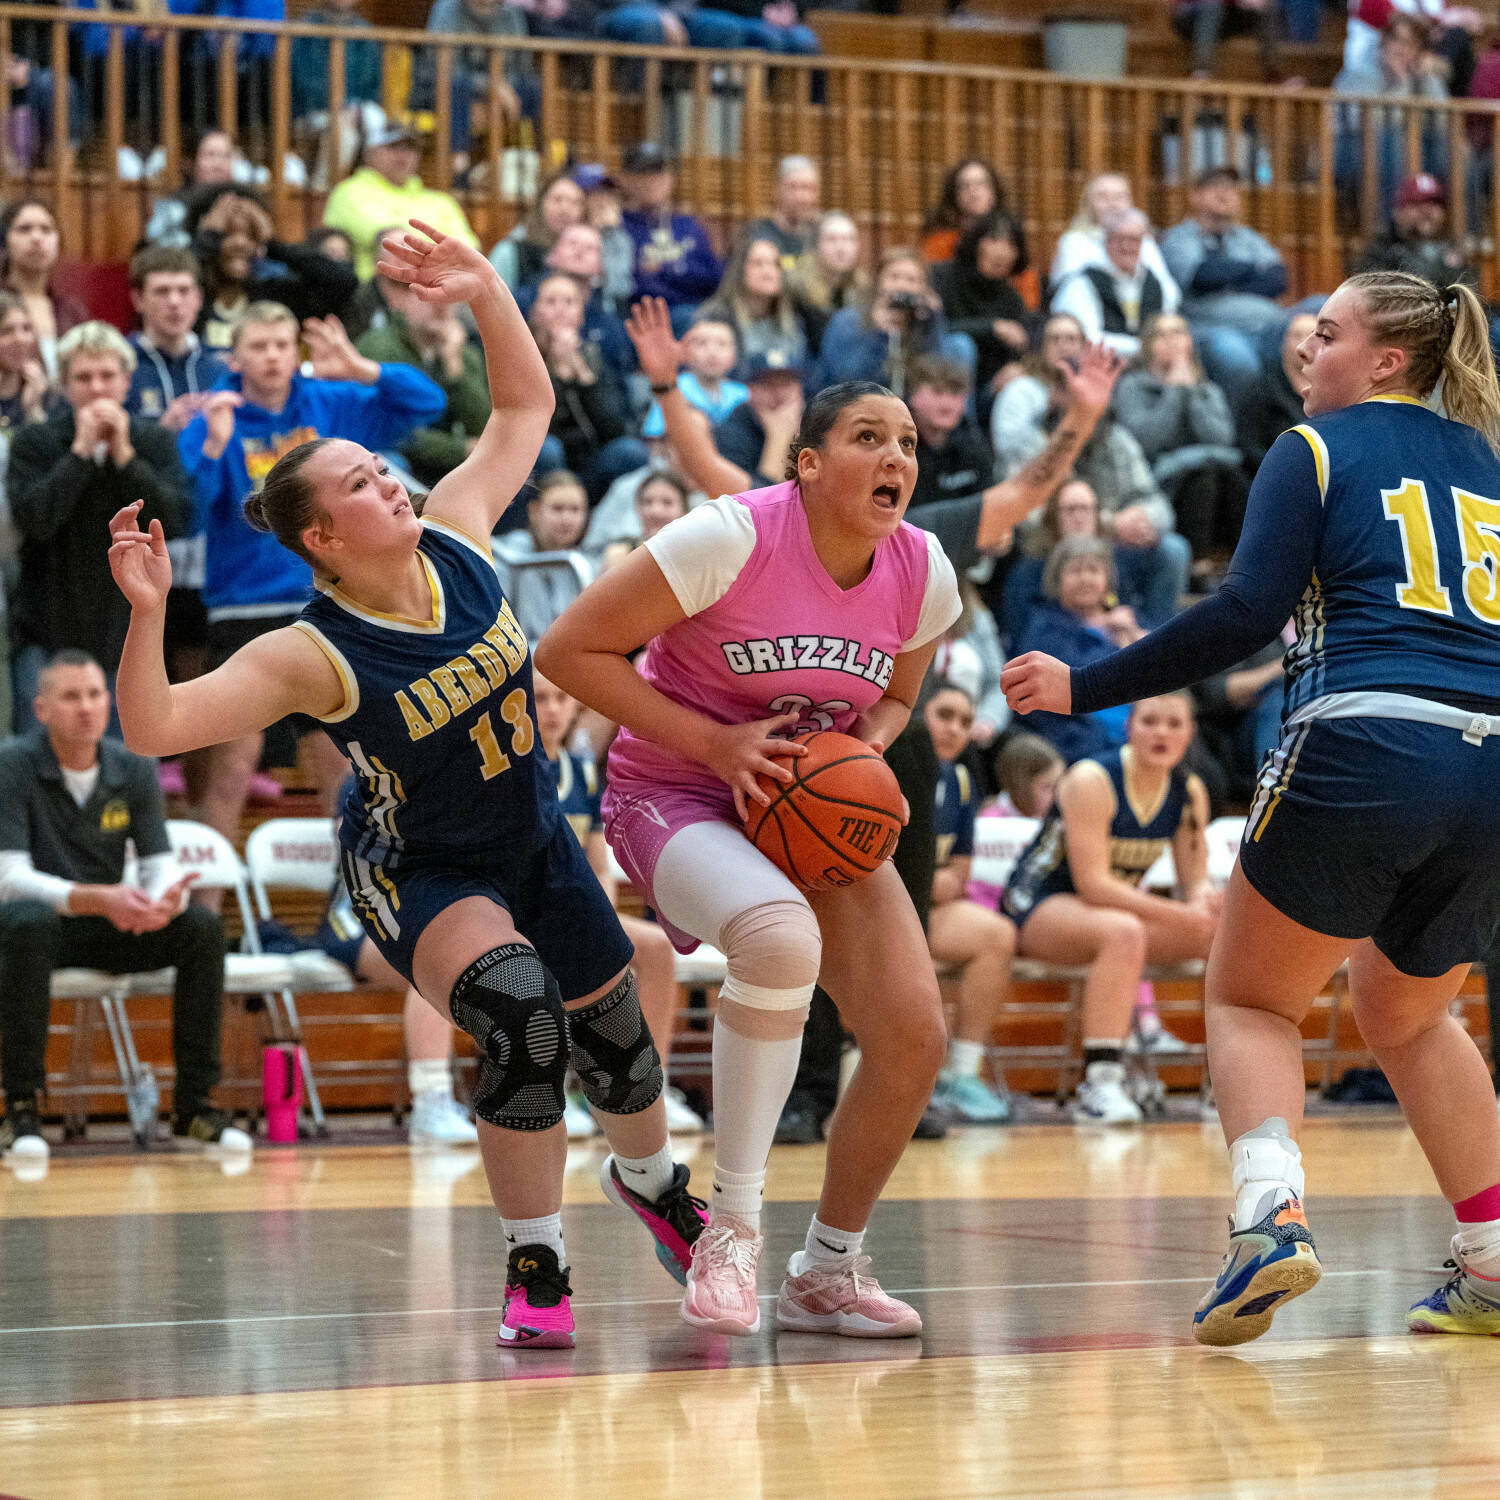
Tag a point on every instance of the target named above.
point(807, 605)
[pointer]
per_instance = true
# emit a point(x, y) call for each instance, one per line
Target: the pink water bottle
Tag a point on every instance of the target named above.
point(281, 1089)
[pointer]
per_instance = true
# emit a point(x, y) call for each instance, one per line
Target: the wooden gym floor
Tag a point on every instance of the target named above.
point(322, 1324)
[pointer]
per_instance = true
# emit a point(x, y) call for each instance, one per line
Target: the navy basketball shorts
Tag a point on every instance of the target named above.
point(553, 896)
point(1386, 829)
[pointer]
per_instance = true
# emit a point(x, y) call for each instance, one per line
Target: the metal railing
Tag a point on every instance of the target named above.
point(1319, 168)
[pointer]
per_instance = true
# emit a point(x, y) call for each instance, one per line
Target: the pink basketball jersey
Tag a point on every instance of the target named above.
point(783, 638)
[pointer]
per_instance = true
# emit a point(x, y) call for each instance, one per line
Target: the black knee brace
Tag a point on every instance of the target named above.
point(511, 1006)
point(613, 1053)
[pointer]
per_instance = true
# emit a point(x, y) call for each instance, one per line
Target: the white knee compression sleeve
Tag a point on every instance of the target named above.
point(774, 951)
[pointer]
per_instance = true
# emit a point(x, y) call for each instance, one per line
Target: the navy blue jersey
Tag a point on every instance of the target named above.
point(953, 813)
point(578, 794)
point(1377, 530)
point(1405, 594)
point(438, 720)
point(1137, 837)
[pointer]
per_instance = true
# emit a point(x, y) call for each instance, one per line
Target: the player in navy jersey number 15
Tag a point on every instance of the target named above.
point(460, 866)
point(1375, 526)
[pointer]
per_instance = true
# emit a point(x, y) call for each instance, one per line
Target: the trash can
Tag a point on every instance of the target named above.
point(1087, 48)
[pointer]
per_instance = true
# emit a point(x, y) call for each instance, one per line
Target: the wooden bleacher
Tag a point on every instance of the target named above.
point(1009, 34)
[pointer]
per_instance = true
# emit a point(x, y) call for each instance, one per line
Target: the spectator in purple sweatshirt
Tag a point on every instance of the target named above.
point(674, 258)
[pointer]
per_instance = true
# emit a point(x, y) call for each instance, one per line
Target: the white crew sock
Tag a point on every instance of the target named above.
point(752, 1078)
point(1479, 1244)
point(650, 1176)
point(826, 1245)
point(738, 1194)
point(964, 1057)
point(426, 1075)
point(546, 1230)
point(1267, 1167)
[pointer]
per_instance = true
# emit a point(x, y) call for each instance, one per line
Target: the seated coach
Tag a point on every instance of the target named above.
point(70, 800)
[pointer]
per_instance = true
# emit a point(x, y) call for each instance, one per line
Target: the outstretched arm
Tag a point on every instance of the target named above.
point(279, 673)
point(1269, 573)
point(1008, 503)
point(650, 328)
point(440, 268)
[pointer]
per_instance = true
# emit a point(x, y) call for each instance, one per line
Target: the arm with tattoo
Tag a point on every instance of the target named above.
point(1008, 503)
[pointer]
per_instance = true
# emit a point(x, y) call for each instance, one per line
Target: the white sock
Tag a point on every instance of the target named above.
point(426, 1075)
point(1479, 1245)
point(752, 1078)
point(544, 1231)
point(650, 1176)
point(738, 1194)
point(1267, 1167)
point(964, 1057)
point(825, 1244)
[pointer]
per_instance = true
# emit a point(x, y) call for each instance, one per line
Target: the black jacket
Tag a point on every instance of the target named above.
point(61, 505)
point(589, 416)
point(973, 304)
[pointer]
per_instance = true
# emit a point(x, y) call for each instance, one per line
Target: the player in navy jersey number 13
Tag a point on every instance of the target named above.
point(459, 865)
point(1375, 525)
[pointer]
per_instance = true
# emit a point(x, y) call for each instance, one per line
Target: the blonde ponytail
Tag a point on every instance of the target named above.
point(1470, 392)
point(1446, 337)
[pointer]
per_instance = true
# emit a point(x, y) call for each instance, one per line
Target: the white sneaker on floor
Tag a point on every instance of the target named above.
point(720, 1293)
point(682, 1118)
point(1101, 1098)
point(577, 1120)
point(438, 1119)
point(1160, 1042)
point(841, 1297)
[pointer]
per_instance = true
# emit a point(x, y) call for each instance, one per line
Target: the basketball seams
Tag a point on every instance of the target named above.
point(823, 838)
point(782, 794)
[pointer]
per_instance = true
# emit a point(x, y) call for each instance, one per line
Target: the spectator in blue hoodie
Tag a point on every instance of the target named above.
point(174, 372)
point(674, 258)
point(172, 378)
point(263, 410)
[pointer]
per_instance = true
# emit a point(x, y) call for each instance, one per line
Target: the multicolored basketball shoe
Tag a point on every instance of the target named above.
point(1268, 1264)
point(537, 1314)
point(675, 1220)
point(720, 1295)
point(1467, 1303)
point(841, 1297)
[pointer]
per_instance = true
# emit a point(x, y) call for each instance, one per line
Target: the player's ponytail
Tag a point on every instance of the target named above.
point(1470, 392)
point(286, 505)
point(1446, 337)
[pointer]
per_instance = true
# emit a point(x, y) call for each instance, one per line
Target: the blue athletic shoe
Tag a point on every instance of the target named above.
point(1465, 1304)
point(1267, 1264)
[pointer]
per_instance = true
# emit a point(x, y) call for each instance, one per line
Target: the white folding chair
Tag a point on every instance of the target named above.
point(205, 852)
point(302, 854)
point(1223, 837)
point(83, 989)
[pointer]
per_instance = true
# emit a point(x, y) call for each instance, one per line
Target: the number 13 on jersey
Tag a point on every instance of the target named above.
point(1479, 535)
point(493, 760)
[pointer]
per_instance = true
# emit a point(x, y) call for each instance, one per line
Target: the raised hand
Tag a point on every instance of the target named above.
point(650, 328)
point(1092, 383)
point(437, 267)
point(138, 559)
point(1037, 683)
point(334, 356)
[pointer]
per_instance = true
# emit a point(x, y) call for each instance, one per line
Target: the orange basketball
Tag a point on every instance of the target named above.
point(837, 822)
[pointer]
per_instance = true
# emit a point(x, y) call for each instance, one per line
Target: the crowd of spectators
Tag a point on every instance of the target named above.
point(191, 410)
point(249, 345)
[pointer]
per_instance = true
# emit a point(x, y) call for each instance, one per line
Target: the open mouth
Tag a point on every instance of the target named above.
point(887, 496)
